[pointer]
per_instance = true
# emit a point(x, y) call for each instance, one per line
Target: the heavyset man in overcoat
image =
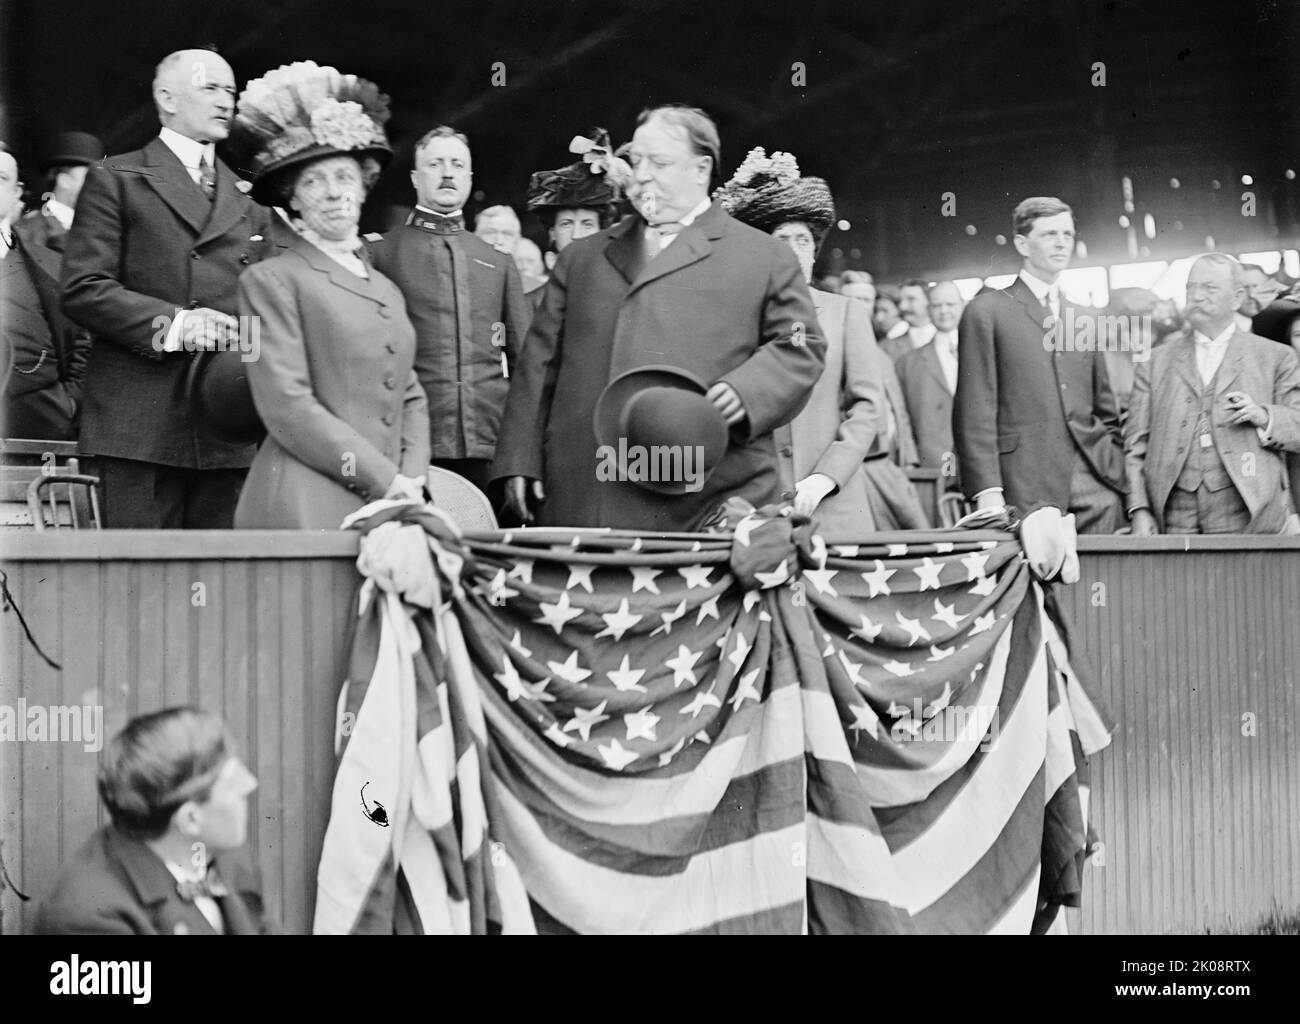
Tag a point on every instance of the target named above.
point(682, 285)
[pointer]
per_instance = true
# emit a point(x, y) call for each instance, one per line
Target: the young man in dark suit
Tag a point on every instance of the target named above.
point(160, 238)
point(467, 304)
point(1034, 419)
point(178, 799)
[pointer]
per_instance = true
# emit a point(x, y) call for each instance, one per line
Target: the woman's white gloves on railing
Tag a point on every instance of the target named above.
point(406, 488)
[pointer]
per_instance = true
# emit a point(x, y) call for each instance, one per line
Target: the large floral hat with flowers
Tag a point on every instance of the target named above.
point(767, 191)
point(301, 112)
point(595, 182)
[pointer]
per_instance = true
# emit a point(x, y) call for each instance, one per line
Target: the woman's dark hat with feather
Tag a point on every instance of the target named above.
point(596, 182)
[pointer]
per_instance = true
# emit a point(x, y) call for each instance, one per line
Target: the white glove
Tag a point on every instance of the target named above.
point(811, 491)
point(406, 488)
point(1050, 543)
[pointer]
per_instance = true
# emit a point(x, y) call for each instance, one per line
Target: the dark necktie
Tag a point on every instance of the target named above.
point(207, 179)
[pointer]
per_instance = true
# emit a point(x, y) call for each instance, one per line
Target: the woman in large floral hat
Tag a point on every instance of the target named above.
point(848, 418)
point(334, 383)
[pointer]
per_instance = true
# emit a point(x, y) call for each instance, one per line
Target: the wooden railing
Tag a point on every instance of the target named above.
point(1195, 646)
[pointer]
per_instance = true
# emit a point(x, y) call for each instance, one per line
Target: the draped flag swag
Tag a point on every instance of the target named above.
point(738, 731)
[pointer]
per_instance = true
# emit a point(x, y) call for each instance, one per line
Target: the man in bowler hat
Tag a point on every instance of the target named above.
point(65, 165)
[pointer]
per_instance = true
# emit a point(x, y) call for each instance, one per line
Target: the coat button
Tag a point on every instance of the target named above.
point(787, 451)
point(243, 258)
point(390, 383)
point(388, 419)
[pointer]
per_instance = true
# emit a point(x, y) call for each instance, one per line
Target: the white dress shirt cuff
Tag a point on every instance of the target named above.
point(1266, 431)
point(172, 343)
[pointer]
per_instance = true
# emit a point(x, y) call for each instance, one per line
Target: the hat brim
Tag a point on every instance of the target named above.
point(606, 418)
point(237, 421)
point(1274, 320)
point(268, 185)
point(67, 160)
point(807, 201)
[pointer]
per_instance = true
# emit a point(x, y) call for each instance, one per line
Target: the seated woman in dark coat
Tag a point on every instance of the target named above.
point(334, 383)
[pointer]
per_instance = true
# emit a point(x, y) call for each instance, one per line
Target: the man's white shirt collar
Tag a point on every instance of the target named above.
point(434, 213)
point(1219, 339)
point(189, 151)
point(1041, 289)
point(689, 218)
point(686, 219)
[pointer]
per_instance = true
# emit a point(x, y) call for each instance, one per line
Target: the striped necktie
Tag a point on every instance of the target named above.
point(207, 179)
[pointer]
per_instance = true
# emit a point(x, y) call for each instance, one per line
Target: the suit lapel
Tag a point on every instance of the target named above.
point(1034, 309)
point(930, 357)
point(169, 178)
point(43, 268)
point(341, 277)
point(690, 246)
point(1230, 368)
point(1184, 360)
point(155, 887)
point(226, 209)
point(623, 249)
point(233, 910)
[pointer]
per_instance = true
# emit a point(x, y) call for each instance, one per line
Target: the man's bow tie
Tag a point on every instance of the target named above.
point(210, 885)
point(437, 225)
point(668, 227)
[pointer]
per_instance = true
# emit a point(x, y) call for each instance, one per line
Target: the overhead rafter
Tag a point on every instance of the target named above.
point(577, 50)
point(894, 60)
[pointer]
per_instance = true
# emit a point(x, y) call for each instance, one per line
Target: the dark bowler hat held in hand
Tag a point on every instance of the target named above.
point(657, 410)
point(218, 390)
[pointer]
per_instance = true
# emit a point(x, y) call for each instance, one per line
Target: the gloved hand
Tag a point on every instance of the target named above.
point(811, 491)
point(406, 488)
point(1051, 543)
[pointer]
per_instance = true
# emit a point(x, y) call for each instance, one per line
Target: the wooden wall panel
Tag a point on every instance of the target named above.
point(1192, 652)
point(1201, 821)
